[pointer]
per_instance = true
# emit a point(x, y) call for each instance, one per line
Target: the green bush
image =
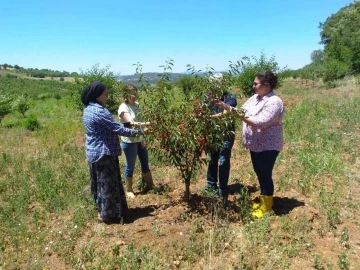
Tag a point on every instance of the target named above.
point(103, 75)
point(43, 96)
point(31, 123)
point(312, 71)
point(163, 84)
point(57, 96)
point(34, 88)
point(330, 84)
point(250, 67)
point(11, 76)
point(5, 105)
point(334, 70)
point(357, 79)
point(21, 105)
point(190, 84)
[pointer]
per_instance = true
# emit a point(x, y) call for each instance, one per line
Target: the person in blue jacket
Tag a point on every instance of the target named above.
point(218, 170)
point(102, 150)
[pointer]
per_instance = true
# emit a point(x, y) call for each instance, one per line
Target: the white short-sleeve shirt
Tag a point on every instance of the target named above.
point(133, 111)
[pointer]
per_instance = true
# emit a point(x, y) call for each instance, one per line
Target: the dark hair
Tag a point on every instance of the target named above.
point(267, 77)
point(92, 91)
point(128, 89)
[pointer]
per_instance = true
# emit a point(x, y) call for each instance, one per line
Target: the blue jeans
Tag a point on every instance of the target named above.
point(219, 168)
point(132, 150)
point(263, 164)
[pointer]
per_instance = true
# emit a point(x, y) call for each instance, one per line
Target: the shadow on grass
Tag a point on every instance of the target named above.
point(237, 187)
point(284, 205)
point(139, 212)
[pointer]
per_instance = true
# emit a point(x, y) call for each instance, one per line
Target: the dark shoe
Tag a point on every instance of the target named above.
point(148, 182)
point(224, 195)
point(225, 199)
point(110, 221)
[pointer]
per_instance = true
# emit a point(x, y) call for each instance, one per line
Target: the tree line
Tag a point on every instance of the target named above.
point(340, 57)
point(39, 73)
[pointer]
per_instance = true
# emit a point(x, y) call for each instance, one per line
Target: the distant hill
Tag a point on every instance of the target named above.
point(37, 73)
point(151, 77)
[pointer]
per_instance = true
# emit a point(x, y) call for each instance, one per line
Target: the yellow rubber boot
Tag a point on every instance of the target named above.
point(256, 204)
point(129, 189)
point(266, 204)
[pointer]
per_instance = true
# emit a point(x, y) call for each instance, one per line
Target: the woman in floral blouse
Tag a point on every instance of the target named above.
point(262, 135)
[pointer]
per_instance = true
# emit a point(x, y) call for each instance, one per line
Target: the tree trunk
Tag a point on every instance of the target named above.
point(187, 189)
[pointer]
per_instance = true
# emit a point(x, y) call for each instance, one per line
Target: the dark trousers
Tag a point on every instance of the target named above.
point(219, 167)
point(263, 164)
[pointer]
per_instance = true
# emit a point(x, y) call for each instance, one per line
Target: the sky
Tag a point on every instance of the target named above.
point(75, 35)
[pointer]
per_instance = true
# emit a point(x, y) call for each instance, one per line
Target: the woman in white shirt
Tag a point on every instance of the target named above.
point(134, 146)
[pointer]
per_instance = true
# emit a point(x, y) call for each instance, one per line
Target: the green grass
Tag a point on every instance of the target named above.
point(35, 89)
point(46, 210)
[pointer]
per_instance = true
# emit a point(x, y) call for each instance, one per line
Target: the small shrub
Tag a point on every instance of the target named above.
point(244, 201)
point(31, 123)
point(330, 84)
point(57, 96)
point(11, 76)
point(335, 70)
point(43, 96)
point(357, 79)
point(317, 263)
point(21, 105)
point(5, 107)
point(62, 79)
point(343, 261)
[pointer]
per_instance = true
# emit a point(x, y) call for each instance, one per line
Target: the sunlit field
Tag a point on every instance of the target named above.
point(48, 219)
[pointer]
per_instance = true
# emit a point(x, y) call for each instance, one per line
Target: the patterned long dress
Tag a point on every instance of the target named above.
point(107, 189)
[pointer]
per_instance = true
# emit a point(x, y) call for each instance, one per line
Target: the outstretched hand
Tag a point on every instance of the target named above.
point(148, 130)
point(219, 103)
point(140, 124)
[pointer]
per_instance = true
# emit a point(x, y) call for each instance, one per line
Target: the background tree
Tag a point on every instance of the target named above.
point(317, 56)
point(21, 104)
point(248, 67)
point(5, 105)
point(340, 34)
point(98, 74)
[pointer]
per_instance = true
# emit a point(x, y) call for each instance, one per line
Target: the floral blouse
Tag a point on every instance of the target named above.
point(267, 131)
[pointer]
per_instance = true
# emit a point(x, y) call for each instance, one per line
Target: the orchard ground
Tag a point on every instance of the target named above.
point(48, 220)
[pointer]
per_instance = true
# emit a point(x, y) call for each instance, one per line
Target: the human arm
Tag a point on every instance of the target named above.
point(128, 117)
point(141, 124)
point(219, 115)
point(229, 109)
point(108, 122)
point(270, 112)
point(229, 104)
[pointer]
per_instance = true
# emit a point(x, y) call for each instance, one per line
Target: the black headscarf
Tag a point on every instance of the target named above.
point(91, 92)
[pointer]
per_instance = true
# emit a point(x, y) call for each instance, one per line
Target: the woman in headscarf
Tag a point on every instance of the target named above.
point(102, 151)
